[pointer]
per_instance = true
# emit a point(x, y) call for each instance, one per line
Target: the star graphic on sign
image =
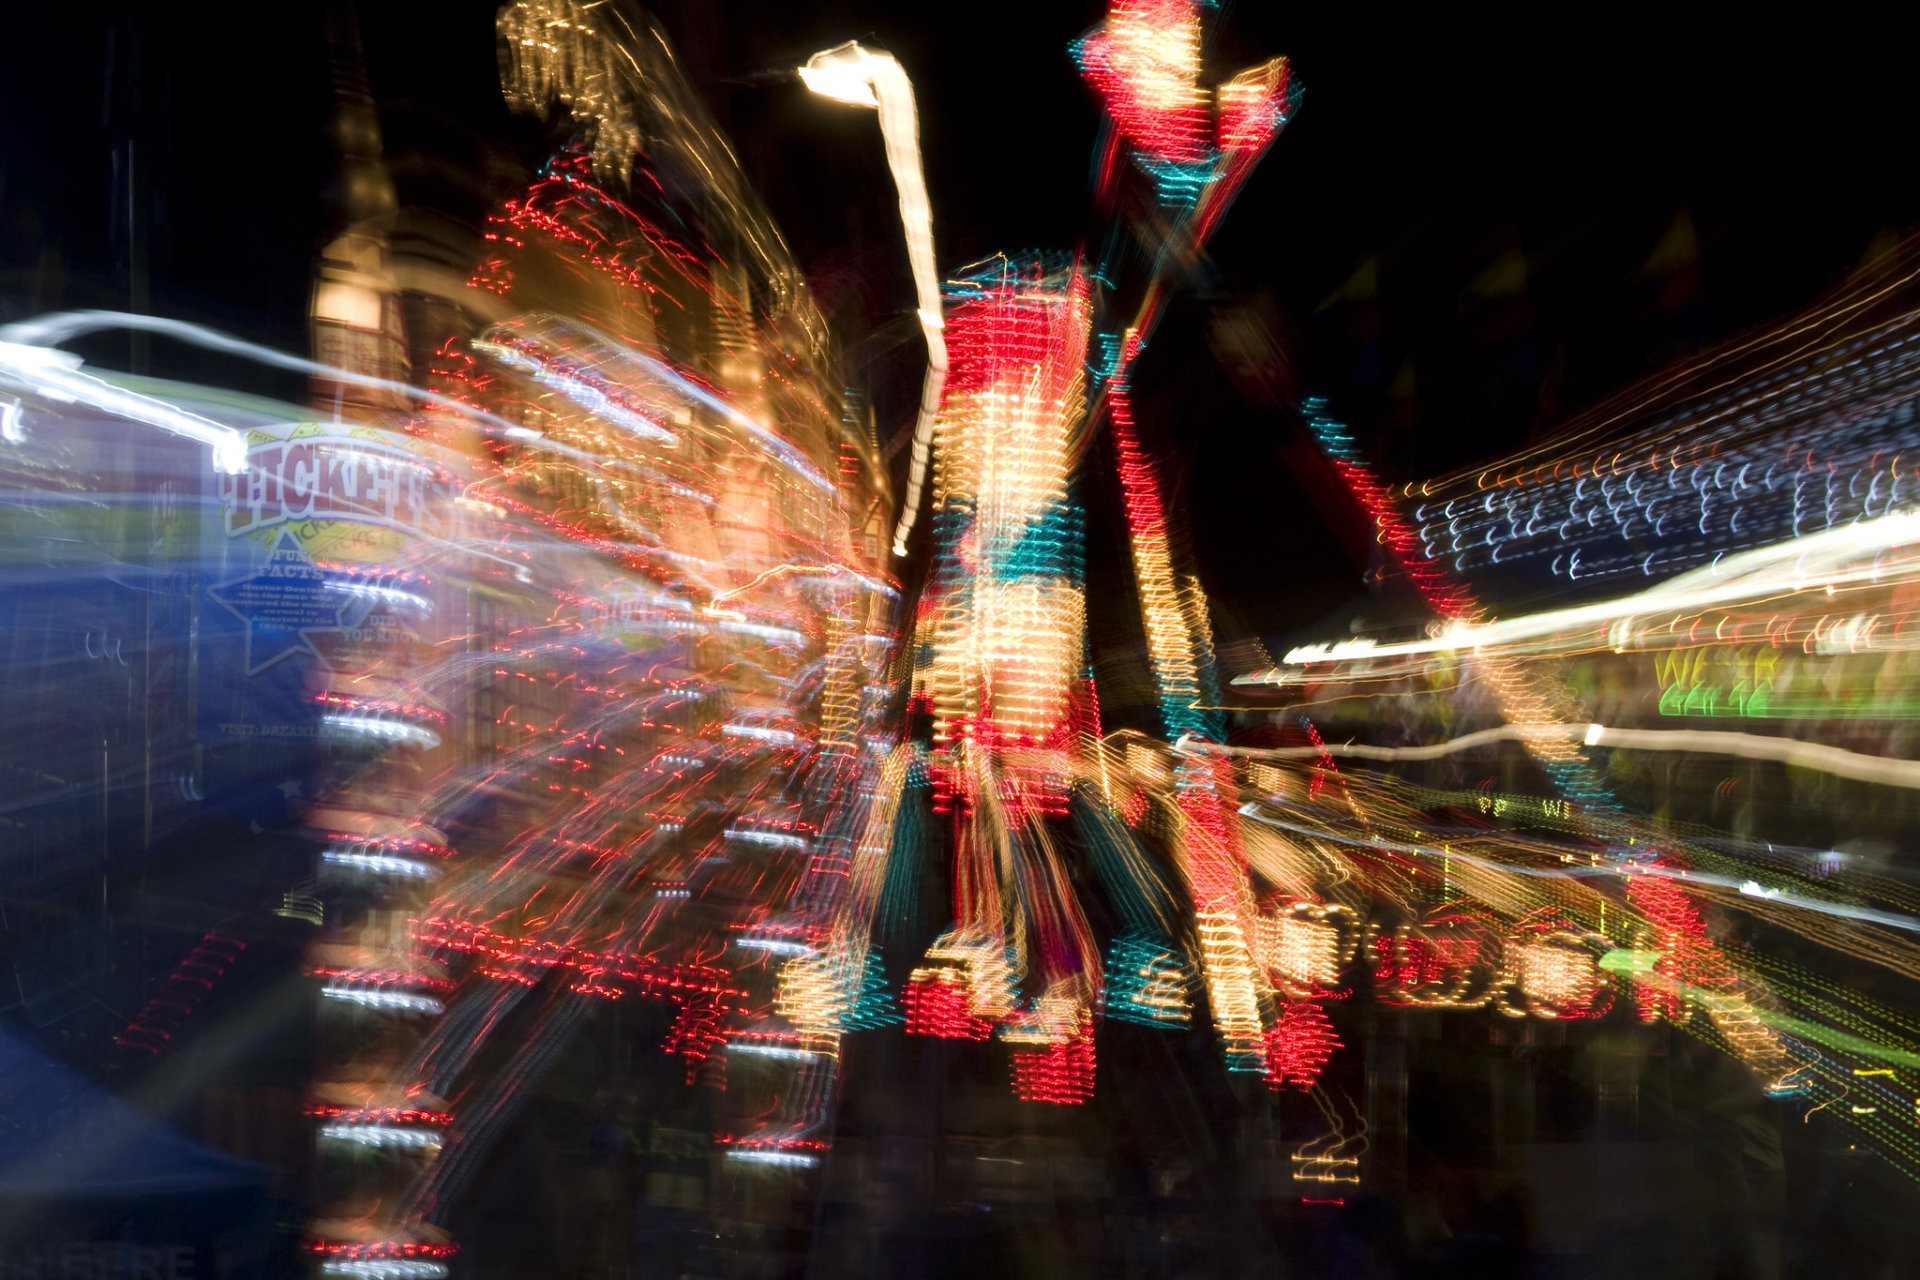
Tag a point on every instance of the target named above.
point(281, 602)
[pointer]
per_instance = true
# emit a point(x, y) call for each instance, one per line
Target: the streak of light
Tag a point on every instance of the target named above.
point(1818, 560)
point(58, 376)
point(384, 1269)
point(381, 1135)
point(858, 76)
point(372, 998)
point(1837, 761)
point(786, 1159)
point(1576, 871)
point(379, 864)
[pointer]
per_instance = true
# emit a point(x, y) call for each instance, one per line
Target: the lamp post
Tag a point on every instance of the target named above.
point(860, 77)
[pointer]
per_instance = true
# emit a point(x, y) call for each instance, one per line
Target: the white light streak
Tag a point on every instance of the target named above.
point(392, 595)
point(1630, 867)
point(776, 839)
point(773, 1050)
point(384, 1268)
point(28, 345)
point(779, 737)
point(375, 998)
point(580, 391)
point(380, 864)
point(1365, 751)
point(778, 635)
point(1753, 746)
point(382, 1135)
point(778, 946)
point(790, 1159)
point(58, 375)
point(1832, 558)
point(390, 730)
point(858, 76)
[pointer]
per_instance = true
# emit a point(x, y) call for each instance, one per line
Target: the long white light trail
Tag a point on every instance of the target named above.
point(860, 77)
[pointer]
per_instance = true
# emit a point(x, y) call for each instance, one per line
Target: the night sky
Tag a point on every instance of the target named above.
point(1476, 225)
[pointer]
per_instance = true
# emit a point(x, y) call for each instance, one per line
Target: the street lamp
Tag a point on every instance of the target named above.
point(860, 77)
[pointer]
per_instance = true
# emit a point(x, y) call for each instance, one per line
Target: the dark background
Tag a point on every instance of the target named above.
point(1478, 223)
